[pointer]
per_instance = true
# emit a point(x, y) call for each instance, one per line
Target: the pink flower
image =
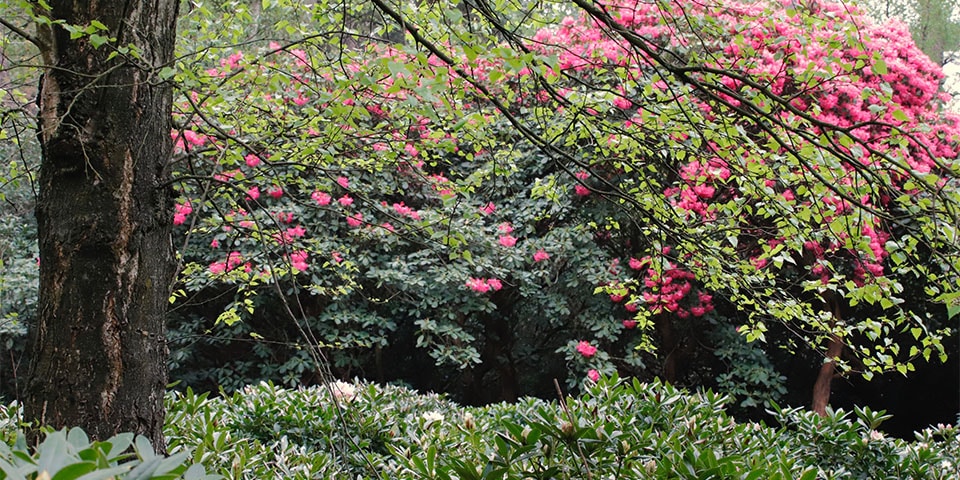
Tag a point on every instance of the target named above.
point(616, 298)
point(404, 210)
point(253, 193)
point(584, 348)
point(580, 190)
point(411, 150)
point(217, 268)
point(296, 232)
point(345, 200)
point(629, 324)
point(482, 285)
point(540, 256)
point(488, 208)
point(355, 220)
point(388, 227)
point(635, 264)
point(215, 243)
point(275, 192)
point(582, 175)
point(298, 260)
point(252, 160)
point(322, 198)
point(181, 210)
point(505, 227)
point(508, 240)
point(593, 375)
point(478, 285)
point(343, 182)
point(234, 259)
point(630, 307)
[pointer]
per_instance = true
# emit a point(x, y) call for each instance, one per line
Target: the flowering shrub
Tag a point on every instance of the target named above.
point(396, 200)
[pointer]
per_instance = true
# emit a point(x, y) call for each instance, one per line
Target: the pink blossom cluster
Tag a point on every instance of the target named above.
point(484, 285)
point(586, 349)
point(234, 260)
point(181, 210)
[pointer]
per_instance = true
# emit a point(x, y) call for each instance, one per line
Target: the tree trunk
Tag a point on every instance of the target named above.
point(97, 349)
point(821, 388)
point(828, 370)
point(669, 346)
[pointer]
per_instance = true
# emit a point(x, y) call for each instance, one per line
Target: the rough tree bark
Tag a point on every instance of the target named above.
point(828, 370)
point(97, 349)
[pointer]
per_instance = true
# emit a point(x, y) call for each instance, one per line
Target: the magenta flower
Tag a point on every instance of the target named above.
point(322, 198)
point(345, 200)
point(494, 284)
point(629, 324)
point(253, 193)
point(581, 191)
point(343, 182)
point(252, 160)
point(488, 208)
point(275, 192)
point(355, 220)
point(593, 375)
point(584, 348)
point(540, 256)
point(478, 285)
point(508, 240)
point(298, 260)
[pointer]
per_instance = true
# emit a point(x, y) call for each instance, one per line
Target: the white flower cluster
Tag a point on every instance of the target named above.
point(342, 391)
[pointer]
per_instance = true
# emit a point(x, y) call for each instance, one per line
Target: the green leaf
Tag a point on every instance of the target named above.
point(879, 66)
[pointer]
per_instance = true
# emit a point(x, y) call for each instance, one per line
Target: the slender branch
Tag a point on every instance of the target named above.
point(22, 33)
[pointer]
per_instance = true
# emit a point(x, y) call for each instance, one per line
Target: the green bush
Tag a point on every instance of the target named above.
point(69, 455)
point(616, 429)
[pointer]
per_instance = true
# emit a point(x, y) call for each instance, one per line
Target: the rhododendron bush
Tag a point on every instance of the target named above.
point(585, 190)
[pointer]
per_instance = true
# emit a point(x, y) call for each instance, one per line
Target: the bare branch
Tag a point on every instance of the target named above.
point(22, 33)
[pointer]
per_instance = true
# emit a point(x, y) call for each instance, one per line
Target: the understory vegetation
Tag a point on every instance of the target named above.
point(615, 429)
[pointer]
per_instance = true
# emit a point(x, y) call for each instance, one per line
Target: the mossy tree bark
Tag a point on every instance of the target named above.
point(97, 348)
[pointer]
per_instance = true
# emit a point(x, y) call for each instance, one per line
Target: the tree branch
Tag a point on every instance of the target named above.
point(22, 33)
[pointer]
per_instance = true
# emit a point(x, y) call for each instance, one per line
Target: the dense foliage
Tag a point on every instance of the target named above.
point(554, 193)
point(617, 429)
point(646, 178)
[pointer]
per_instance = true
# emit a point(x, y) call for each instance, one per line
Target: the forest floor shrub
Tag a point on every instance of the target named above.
point(615, 429)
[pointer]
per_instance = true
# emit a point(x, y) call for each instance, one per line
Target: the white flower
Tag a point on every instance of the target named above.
point(431, 417)
point(342, 391)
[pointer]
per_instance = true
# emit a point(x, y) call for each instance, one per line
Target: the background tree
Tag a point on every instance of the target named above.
point(98, 352)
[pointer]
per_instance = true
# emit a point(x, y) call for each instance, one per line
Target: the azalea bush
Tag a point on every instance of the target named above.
point(591, 200)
